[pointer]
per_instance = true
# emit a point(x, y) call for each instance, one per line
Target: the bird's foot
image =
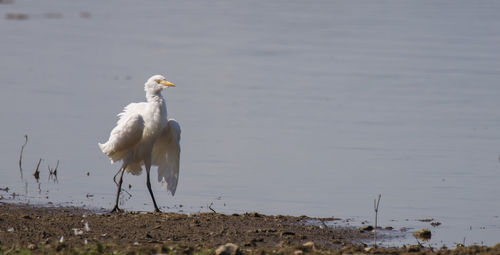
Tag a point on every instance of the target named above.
point(157, 210)
point(116, 209)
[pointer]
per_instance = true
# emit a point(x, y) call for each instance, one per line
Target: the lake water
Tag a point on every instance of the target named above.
point(286, 107)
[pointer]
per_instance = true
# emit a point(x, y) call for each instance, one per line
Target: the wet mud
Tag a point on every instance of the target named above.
point(41, 227)
point(26, 229)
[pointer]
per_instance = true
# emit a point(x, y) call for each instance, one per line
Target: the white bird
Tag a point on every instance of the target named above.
point(143, 136)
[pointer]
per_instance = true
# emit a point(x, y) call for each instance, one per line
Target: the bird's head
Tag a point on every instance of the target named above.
point(157, 83)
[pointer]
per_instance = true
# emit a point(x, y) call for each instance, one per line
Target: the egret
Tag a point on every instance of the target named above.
point(144, 136)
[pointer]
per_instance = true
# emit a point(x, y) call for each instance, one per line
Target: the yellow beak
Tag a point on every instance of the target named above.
point(167, 83)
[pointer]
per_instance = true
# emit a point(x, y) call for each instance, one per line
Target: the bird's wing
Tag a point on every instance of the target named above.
point(126, 134)
point(166, 153)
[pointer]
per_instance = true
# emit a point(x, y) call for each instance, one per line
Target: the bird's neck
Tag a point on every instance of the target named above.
point(158, 106)
point(153, 97)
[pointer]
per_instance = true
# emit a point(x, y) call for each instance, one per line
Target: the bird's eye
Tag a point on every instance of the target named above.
point(158, 81)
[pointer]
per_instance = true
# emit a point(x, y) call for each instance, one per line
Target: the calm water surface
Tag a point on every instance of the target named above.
point(286, 107)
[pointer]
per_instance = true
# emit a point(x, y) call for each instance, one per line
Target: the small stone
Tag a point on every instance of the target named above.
point(435, 224)
point(284, 243)
point(254, 214)
point(424, 234)
point(366, 228)
point(228, 249)
point(77, 231)
point(336, 242)
point(287, 233)
point(31, 246)
point(86, 226)
point(425, 220)
point(309, 246)
point(413, 248)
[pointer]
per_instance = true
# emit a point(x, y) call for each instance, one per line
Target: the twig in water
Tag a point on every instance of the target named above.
point(129, 195)
point(418, 242)
point(55, 169)
point(210, 207)
point(375, 207)
point(53, 172)
point(21, 155)
point(37, 172)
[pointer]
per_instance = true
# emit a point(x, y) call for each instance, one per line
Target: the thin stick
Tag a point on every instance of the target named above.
point(37, 173)
point(375, 207)
point(55, 169)
point(21, 155)
point(210, 207)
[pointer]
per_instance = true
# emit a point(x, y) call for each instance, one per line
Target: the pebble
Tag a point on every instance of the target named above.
point(228, 249)
point(366, 228)
point(435, 224)
point(424, 234)
point(77, 231)
point(254, 214)
point(287, 233)
point(413, 248)
point(86, 227)
point(309, 246)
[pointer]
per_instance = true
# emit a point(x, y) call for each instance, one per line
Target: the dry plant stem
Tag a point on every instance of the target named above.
point(21, 155)
point(55, 169)
point(53, 172)
point(210, 207)
point(37, 172)
point(375, 207)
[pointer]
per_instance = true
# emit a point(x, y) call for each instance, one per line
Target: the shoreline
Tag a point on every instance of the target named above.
point(41, 230)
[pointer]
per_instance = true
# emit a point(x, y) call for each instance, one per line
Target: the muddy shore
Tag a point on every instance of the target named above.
point(63, 230)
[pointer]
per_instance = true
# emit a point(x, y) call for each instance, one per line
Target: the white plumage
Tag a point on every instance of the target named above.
point(143, 136)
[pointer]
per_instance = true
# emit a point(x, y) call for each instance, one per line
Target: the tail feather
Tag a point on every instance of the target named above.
point(108, 152)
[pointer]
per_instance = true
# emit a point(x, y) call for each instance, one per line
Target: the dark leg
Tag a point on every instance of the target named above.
point(116, 209)
point(117, 173)
point(148, 183)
